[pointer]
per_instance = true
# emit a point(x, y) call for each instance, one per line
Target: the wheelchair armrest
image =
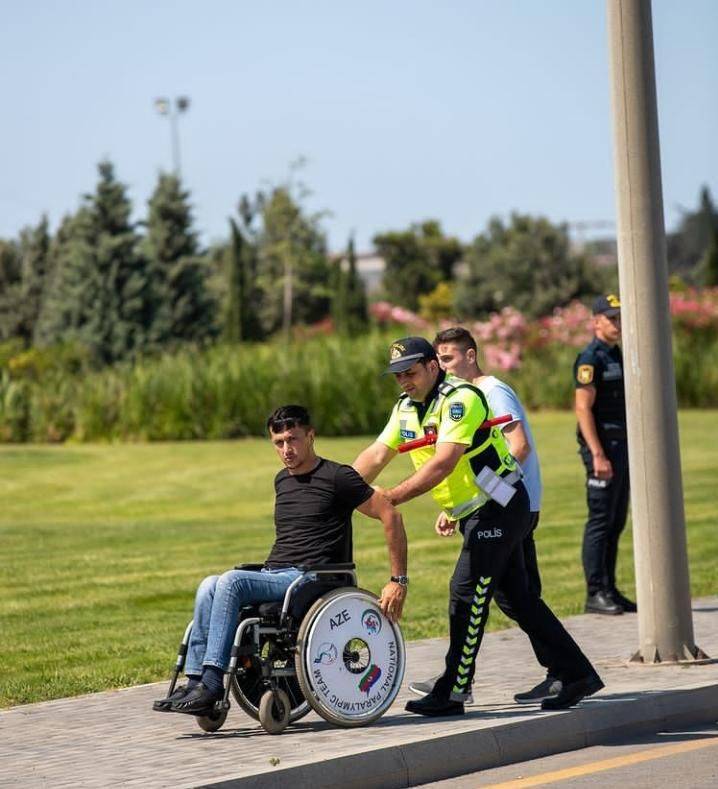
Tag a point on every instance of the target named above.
point(308, 568)
point(255, 567)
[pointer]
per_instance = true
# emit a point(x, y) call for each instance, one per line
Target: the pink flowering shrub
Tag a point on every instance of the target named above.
point(695, 310)
point(502, 338)
point(506, 337)
point(502, 358)
point(571, 325)
point(384, 312)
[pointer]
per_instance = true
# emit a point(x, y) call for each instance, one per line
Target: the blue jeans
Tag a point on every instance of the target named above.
point(217, 604)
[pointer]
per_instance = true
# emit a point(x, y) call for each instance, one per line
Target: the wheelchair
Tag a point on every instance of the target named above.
point(325, 647)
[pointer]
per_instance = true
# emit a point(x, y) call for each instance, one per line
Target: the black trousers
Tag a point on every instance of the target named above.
point(533, 577)
point(492, 560)
point(607, 510)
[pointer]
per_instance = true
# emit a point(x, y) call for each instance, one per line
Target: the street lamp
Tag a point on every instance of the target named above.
point(164, 107)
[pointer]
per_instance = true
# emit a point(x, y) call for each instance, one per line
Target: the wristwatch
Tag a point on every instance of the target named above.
point(403, 580)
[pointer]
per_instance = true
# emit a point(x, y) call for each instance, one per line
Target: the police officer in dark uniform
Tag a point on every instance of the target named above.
point(601, 431)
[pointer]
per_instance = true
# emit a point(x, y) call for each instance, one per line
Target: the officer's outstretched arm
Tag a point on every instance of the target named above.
point(430, 474)
point(373, 460)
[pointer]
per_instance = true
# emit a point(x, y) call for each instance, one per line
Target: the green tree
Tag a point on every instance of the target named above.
point(416, 260)
point(708, 268)
point(35, 261)
point(438, 304)
point(687, 247)
point(241, 320)
point(527, 264)
point(180, 305)
point(292, 267)
point(99, 291)
point(10, 284)
point(349, 305)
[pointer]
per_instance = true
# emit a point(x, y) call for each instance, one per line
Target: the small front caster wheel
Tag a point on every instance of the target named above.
point(212, 722)
point(274, 709)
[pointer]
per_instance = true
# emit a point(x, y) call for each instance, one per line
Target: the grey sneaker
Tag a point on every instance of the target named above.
point(547, 689)
point(425, 687)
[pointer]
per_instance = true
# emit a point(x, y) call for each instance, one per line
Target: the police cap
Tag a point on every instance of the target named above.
point(607, 305)
point(405, 353)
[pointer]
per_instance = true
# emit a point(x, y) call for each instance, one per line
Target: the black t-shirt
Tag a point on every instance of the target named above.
point(313, 515)
point(601, 366)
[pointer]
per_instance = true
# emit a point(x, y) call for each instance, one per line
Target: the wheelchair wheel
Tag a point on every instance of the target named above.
point(212, 722)
point(249, 688)
point(274, 711)
point(350, 658)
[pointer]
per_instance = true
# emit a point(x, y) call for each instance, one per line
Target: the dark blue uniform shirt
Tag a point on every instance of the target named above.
point(601, 366)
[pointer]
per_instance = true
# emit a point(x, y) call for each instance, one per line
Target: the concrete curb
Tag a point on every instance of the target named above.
point(595, 721)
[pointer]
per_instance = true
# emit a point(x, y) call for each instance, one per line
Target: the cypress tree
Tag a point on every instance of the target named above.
point(232, 329)
point(349, 306)
point(356, 294)
point(10, 279)
point(709, 263)
point(35, 261)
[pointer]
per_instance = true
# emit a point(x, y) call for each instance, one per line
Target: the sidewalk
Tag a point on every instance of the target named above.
point(113, 739)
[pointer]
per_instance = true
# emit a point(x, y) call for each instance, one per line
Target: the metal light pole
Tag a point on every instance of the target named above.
point(164, 107)
point(665, 625)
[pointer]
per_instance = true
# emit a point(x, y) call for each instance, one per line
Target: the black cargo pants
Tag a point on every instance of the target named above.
point(492, 559)
point(528, 547)
point(607, 509)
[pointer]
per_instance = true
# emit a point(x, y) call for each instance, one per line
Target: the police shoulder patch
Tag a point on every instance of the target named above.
point(584, 374)
point(456, 411)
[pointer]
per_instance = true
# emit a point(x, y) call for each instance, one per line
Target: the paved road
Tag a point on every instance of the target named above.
point(686, 758)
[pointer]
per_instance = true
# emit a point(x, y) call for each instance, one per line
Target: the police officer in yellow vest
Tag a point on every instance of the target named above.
point(473, 477)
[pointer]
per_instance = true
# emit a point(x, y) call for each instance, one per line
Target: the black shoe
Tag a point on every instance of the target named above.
point(627, 605)
point(424, 688)
point(602, 603)
point(434, 707)
point(572, 692)
point(547, 689)
point(199, 701)
point(163, 705)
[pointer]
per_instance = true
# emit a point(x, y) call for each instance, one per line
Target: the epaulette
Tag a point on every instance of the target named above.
point(446, 389)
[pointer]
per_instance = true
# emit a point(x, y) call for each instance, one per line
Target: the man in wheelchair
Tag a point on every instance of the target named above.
point(314, 502)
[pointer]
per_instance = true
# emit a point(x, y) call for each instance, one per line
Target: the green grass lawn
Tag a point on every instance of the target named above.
point(103, 546)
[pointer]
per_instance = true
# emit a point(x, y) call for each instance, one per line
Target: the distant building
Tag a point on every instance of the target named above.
point(370, 268)
point(600, 251)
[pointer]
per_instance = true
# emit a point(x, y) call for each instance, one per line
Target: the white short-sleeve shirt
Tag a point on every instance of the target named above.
point(503, 400)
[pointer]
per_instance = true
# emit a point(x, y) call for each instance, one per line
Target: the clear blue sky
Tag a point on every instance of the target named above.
point(405, 109)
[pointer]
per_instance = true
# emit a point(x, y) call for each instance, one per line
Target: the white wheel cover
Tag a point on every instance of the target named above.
point(354, 657)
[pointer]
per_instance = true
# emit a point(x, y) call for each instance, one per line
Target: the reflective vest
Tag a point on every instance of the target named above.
point(456, 411)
